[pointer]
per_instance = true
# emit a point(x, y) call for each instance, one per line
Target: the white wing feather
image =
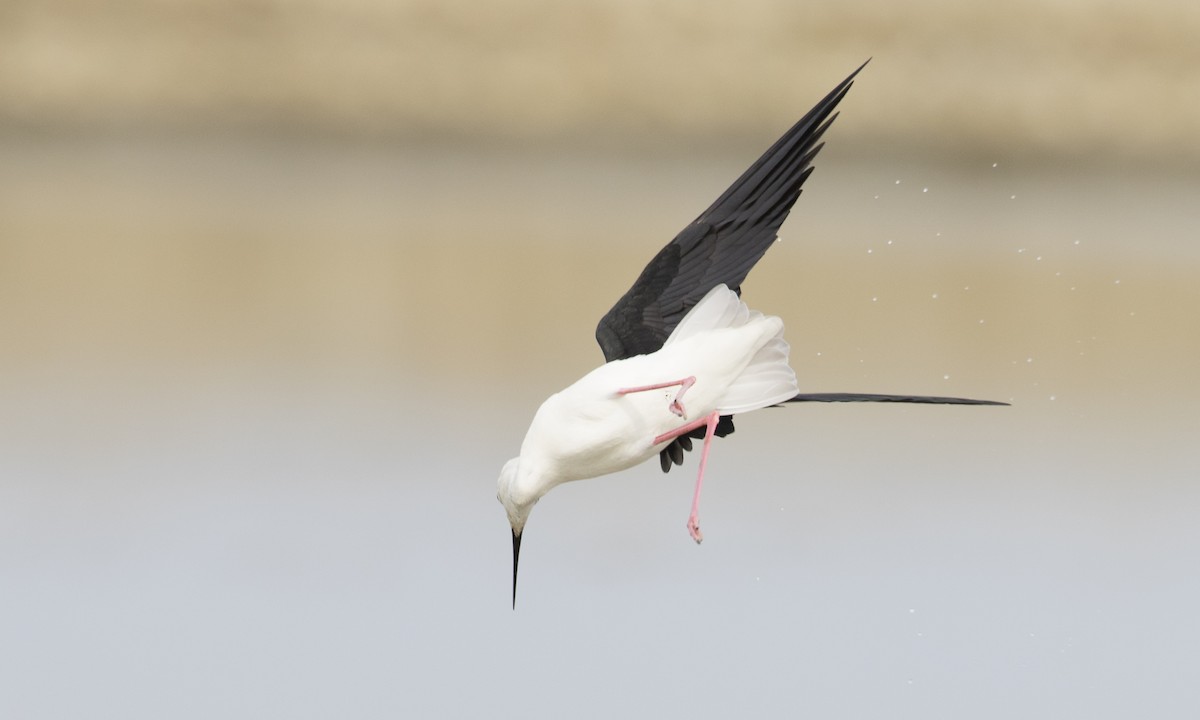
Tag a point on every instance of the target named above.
point(767, 379)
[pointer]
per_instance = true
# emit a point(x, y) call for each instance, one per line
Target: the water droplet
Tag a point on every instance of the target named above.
point(924, 190)
point(944, 377)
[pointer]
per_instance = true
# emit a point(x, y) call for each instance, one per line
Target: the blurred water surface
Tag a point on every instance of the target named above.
point(256, 394)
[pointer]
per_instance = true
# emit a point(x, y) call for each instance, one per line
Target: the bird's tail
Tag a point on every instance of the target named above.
point(767, 379)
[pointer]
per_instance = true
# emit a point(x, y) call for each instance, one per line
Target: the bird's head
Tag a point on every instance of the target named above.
point(518, 498)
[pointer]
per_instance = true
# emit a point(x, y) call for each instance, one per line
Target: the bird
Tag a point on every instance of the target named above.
point(683, 353)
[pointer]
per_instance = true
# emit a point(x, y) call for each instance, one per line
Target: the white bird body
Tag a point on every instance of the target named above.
point(684, 354)
point(738, 359)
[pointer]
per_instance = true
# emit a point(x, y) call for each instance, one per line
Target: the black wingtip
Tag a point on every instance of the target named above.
point(844, 86)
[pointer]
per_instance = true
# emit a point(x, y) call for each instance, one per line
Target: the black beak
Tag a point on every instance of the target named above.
point(516, 557)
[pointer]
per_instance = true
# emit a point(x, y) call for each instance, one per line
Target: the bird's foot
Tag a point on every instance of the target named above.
point(677, 408)
point(694, 530)
point(676, 405)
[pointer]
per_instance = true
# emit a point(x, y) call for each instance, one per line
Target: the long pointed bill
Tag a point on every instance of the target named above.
point(516, 557)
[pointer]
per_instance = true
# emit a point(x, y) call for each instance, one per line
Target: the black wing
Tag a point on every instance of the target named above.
point(720, 246)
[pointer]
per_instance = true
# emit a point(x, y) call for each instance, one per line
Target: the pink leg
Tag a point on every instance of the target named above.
point(693, 524)
point(676, 406)
point(672, 434)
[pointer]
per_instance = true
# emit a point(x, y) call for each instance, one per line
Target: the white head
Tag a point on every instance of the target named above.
point(518, 493)
point(517, 497)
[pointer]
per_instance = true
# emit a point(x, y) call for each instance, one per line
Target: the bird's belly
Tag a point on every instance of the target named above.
point(590, 428)
point(612, 434)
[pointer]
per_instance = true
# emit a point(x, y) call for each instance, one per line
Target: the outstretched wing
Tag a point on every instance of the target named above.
point(722, 244)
